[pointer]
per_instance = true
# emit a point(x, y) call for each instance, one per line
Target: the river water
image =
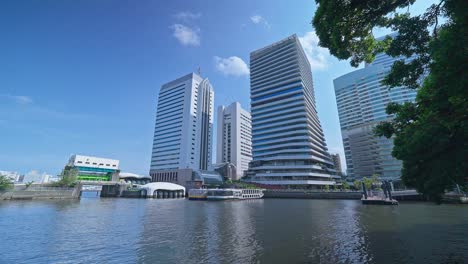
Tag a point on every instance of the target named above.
point(94, 230)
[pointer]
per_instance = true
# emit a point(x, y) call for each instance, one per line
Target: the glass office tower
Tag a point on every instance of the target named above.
point(361, 100)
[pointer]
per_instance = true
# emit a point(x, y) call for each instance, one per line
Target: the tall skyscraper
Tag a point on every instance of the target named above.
point(234, 137)
point(184, 126)
point(288, 143)
point(361, 100)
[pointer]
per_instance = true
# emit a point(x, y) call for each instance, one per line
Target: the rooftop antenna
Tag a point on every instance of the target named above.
point(199, 70)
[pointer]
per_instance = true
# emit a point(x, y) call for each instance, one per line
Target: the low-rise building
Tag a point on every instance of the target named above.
point(35, 176)
point(188, 178)
point(94, 168)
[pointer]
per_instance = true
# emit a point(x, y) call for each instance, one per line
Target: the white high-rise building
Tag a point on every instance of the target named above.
point(184, 126)
point(288, 143)
point(234, 137)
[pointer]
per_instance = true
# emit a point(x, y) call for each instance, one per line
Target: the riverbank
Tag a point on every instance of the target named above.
point(334, 195)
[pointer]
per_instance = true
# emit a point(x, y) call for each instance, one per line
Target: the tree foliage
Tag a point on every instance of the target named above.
point(5, 183)
point(357, 184)
point(430, 134)
point(367, 182)
point(345, 185)
point(68, 178)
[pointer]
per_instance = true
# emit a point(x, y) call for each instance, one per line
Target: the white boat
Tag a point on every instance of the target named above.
point(234, 194)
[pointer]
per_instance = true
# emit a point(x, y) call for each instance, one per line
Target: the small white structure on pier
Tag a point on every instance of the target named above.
point(163, 190)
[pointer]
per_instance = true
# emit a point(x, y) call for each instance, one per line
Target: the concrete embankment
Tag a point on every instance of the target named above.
point(349, 195)
point(312, 195)
point(40, 192)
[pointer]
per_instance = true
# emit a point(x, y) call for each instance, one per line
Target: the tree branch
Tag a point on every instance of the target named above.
point(437, 12)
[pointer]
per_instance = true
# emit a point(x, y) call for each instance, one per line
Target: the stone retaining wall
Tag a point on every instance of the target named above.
point(41, 193)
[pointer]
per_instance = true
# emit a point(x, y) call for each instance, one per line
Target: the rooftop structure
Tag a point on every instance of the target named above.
point(134, 178)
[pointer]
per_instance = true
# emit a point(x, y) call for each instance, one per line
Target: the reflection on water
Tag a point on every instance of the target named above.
point(96, 230)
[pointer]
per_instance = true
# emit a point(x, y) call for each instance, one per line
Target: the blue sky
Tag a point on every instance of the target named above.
point(82, 77)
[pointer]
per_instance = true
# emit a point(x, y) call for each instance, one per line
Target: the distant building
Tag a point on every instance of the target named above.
point(337, 161)
point(288, 143)
point(361, 99)
point(226, 170)
point(189, 178)
point(234, 138)
point(183, 132)
point(36, 177)
point(12, 175)
point(94, 168)
point(54, 178)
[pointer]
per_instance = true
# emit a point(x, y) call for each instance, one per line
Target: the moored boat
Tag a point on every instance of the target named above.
point(234, 194)
point(225, 194)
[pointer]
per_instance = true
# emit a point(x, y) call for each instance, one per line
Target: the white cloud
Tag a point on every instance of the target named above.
point(234, 66)
point(187, 15)
point(20, 99)
point(318, 56)
point(187, 36)
point(258, 19)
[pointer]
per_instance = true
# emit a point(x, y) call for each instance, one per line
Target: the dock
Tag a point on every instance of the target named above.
point(377, 200)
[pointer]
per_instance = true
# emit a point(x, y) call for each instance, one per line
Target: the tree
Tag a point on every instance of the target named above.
point(367, 182)
point(430, 135)
point(5, 183)
point(68, 178)
point(28, 184)
point(345, 186)
point(376, 180)
point(357, 184)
